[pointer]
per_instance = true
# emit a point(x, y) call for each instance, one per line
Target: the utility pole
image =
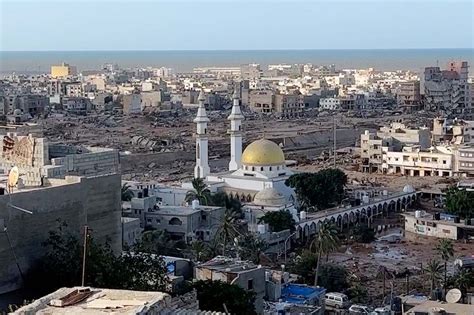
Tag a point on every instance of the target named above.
point(334, 141)
point(86, 234)
point(408, 281)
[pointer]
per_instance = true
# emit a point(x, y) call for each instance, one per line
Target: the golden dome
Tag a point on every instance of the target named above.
point(263, 152)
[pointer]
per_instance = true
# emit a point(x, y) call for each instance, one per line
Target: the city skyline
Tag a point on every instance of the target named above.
point(233, 25)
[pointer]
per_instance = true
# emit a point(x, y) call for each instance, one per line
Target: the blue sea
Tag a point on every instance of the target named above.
point(186, 60)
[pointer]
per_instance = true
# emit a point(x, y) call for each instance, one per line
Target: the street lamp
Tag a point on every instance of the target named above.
point(286, 241)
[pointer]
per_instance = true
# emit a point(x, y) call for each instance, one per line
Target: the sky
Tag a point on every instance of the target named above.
point(234, 24)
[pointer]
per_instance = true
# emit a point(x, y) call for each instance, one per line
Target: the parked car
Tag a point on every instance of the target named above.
point(356, 309)
point(337, 300)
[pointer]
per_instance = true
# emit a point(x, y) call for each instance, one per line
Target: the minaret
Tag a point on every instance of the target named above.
point(201, 170)
point(235, 132)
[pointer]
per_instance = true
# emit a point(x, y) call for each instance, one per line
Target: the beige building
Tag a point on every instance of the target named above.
point(262, 101)
point(419, 223)
point(63, 70)
point(409, 96)
point(390, 139)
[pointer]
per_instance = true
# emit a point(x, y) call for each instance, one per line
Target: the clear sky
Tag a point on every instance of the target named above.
point(235, 24)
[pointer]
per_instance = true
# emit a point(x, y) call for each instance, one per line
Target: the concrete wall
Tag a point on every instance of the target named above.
point(422, 226)
point(92, 201)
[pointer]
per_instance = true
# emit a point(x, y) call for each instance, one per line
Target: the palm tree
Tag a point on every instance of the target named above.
point(199, 249)
point(463, 280)
point(324, 242)
point(199, 192)
point(250, 247)
point(127, 193)
point(445, 250)
point(434, 270)
point(227, 229)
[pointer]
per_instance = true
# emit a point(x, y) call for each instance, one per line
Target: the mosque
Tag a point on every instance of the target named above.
point(256, 176)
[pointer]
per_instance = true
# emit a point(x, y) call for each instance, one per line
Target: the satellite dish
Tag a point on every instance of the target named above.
point(453, 296)
point(13, 176)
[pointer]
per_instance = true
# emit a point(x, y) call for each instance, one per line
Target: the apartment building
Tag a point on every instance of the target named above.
point(412, 161)
point(63, 70)
point(448, 90)
point(262, 101)
point(289, 105)
point(409, 96)
point(391, 138)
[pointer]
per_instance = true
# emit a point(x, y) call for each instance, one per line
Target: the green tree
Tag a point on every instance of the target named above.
point(278, 220)
point(227, 229)
point(333, 278)
point(61, 266)
point(159, 242)
point(319, 190)
point(325, 241)
point(358, 293)
point(363, 234)
point(126, 192)
point(199, 192)
point(446, 250)
point(460, 202)
point(221, 199)
point(304, 266)
point(434, 270)
point(200, 250)
point(463, 280)
point(250, 247)
point(212, 296)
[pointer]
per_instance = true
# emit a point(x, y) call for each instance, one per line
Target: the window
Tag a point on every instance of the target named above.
point(175, 221)
point(444, 161)
point(158, 221)
point(250, 284)
point(446, 231)
point(261, 169)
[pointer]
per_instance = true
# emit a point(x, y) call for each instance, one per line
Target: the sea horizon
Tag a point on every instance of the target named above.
point(385, 59)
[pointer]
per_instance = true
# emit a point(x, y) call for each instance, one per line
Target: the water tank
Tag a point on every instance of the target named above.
point(456, 220)
point(385, 192)
point(417, 214)
point(365, 199)
point(437, 216)
point(267, 275)
point(195, 204)
point(261, 228)
point(303, 215)
point(145, 192)
point(366, 132)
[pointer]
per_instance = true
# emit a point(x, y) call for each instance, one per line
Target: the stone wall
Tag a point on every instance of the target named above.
point(94, 201)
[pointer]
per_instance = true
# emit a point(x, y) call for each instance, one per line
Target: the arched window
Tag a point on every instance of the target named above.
point(261, 168)
point(175, 221)
point(253, 168)
point(270, 168)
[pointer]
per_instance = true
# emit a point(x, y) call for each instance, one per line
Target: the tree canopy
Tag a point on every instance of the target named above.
point(319, 190)
point(61, 266)
point(363, 234)
point(278, 220)
point(460, 202)
point(250, 247)
point(212, 296)
point(200, 192)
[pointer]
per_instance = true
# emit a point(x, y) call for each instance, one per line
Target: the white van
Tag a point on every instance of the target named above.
point(337, 300)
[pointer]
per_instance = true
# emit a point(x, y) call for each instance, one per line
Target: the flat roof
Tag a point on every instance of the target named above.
point(183, 210)
point(101, 301)
point(450, 308)
point(226, 264)
point(429, 217)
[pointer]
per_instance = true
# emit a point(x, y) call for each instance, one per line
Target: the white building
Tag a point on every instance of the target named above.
point(260, 166)
point(330, 103)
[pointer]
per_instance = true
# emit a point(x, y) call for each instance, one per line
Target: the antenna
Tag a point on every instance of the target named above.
point(453, 296)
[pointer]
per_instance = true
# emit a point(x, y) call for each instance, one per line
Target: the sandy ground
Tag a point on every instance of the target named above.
point(364, 261)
